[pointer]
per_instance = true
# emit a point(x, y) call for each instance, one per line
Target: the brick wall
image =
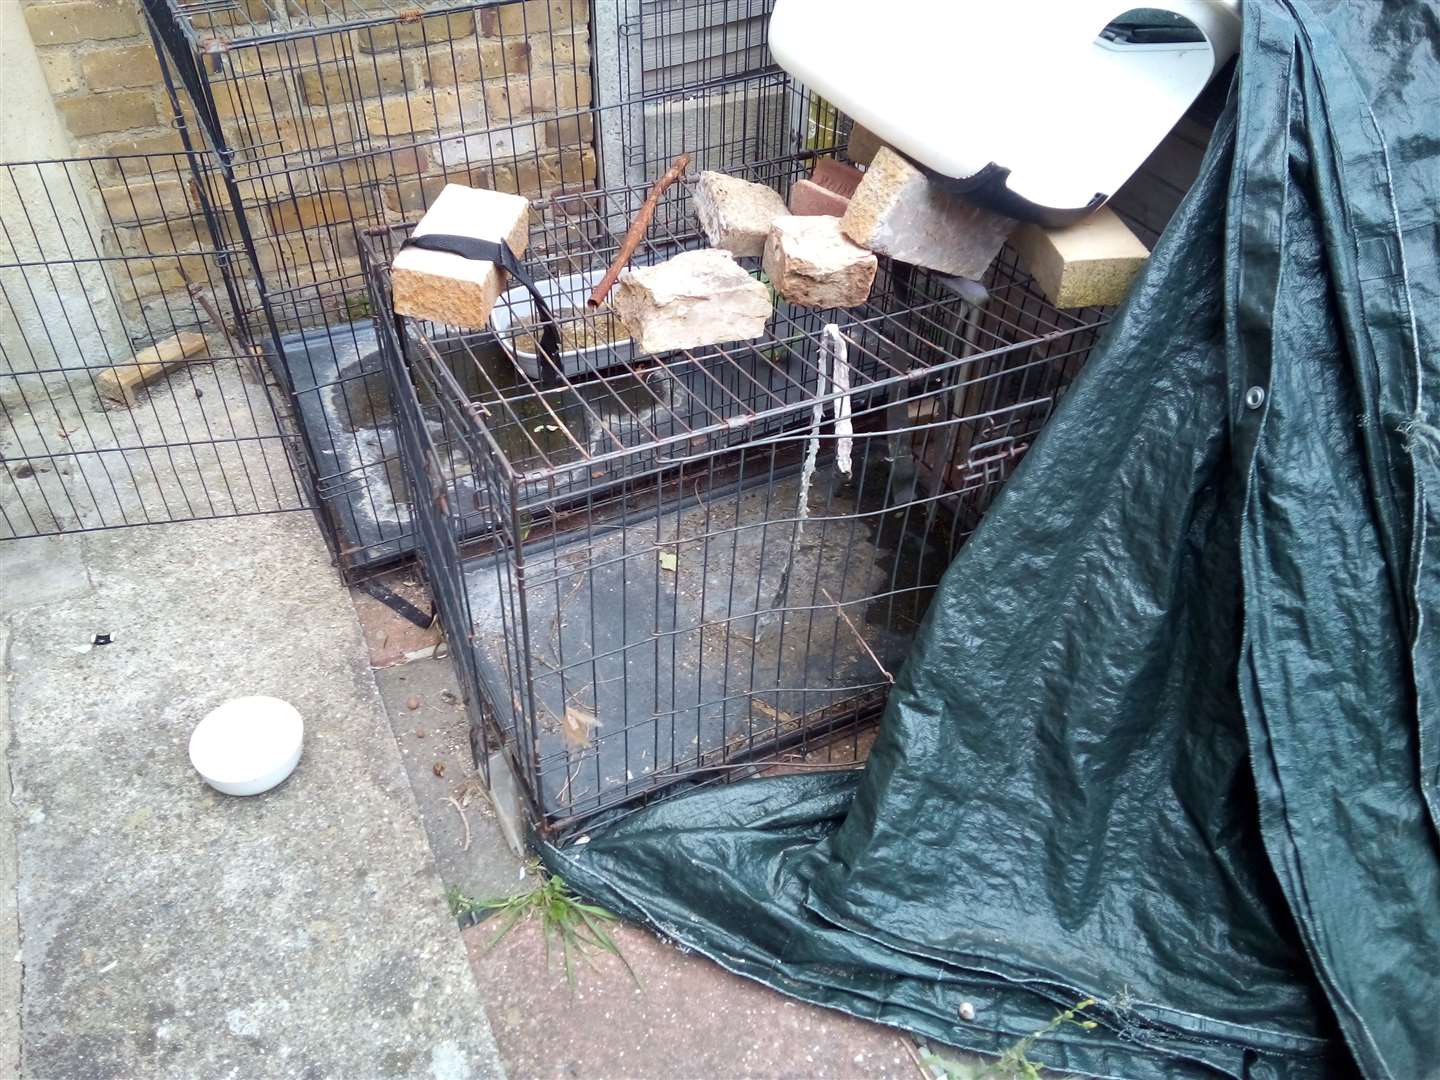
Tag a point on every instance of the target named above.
point(333, 133)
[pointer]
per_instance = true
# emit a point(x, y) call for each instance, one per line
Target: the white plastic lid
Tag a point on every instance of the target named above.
point(247, 745)
point(1030, 86)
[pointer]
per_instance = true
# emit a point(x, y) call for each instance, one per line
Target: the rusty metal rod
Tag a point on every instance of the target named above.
point(637, 230)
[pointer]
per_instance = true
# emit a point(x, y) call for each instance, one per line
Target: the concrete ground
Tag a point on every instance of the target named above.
point(164, 929)
point(679, 1016)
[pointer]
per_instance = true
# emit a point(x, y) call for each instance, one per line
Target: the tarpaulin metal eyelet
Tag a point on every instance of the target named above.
point(1254, 397)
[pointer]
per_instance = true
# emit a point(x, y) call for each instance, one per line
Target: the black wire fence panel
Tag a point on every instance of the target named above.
point(331, 117)
point(661, 570)
point(127, 394)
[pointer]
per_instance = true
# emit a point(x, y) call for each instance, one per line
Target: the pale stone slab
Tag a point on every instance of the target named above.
point(450, 289)
point(810, 261)
point(1088, 264)
point(735, 213)
point(698, 298)
point(897, 211)
point(121, 383)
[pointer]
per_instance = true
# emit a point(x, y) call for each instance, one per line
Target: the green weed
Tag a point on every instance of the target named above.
point(1014, 1063)
point(565, 918)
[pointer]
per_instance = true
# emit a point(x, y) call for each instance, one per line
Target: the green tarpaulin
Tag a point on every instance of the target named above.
point(1168, 737)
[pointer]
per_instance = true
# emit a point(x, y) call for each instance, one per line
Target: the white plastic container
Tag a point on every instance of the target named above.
point(1025, 106)
point(247, 745)
point(570, 291)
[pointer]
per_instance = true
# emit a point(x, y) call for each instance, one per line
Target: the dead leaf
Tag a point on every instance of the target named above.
point(438, 768)
point(578, 726)
point(668, 561)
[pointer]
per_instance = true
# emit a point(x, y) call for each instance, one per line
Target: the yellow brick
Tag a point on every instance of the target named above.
point(1088, 264)
point(62, 71)
point(283, 254)
point(471, 61)
point(566, 48)
point(410, 33)
point(322, 208)
point(146, 201)
point(166, 239)
point(400, 116)
point(81, 20)
point(152, 142)
point(115, 69)
point(506, 99)
point(577, 167)
point(369, 76)
point(251, 98)
point(271, 139)
point(121, 110)
point(409, 198)
point(533, 17)
point(570, 130)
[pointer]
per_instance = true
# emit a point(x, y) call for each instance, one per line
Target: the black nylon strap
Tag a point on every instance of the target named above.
point(468, 247)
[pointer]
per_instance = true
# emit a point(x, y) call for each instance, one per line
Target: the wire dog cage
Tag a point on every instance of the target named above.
point(324, 118)
point(673, 576)
point(108, 269)
point(328, 117)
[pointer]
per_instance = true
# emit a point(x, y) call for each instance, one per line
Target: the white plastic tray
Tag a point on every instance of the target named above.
point(570, 291)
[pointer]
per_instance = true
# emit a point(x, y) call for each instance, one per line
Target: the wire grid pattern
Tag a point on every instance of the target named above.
point(662, 590)
point(87, 250)
point(330, 117)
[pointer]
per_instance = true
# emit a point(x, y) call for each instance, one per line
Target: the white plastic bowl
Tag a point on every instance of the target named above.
point(247, 745)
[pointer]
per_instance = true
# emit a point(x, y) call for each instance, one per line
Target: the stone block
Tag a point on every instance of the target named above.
point(82, 20)
point(810, 261)
point(698, 298)
point(446, 288)
point(1088, 264)
point(735, 214)
point(121, 67)
point(864, 144)
point(809, 199)
point(828, 191)
point(120, 384)
point(120, 110)
point(897, 211)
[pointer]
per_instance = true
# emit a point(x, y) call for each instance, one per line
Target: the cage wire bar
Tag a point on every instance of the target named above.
point(102, 258)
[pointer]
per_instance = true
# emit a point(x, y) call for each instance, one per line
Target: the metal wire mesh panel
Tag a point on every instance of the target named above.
point(673, 576)
point(109, 272)
point(329, 117)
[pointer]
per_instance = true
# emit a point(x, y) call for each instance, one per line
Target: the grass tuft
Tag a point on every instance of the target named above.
point(1014, 1063)
point(578, 927)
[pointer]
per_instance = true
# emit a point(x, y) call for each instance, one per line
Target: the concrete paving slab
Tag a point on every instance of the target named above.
point(167, 930)
point(428, 718)
point(686, 1017)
